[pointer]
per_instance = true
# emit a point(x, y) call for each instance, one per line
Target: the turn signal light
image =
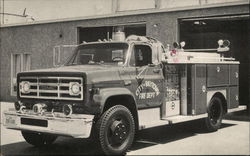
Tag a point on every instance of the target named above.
point(22, 109)
point(18, 105)
point(67, 109)
point(39, 108)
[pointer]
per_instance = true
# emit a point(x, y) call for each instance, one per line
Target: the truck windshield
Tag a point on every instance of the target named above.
point(99, 53)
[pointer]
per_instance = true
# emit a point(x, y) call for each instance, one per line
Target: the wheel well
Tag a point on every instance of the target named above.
point(126, 101)
point(223, 100)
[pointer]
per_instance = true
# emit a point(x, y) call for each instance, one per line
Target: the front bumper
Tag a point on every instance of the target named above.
point(77, 126)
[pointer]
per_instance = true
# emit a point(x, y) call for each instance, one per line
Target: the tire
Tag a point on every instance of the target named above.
point(215, 114)
point(38, 139)
point(116, 130)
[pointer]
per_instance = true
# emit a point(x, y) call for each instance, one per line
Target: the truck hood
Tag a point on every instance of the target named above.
point(94, 73)
point(77, 68)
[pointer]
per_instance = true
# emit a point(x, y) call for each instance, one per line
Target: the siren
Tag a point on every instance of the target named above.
point(223, 45)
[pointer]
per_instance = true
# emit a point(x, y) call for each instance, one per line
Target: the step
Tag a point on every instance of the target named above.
point(183, 118)
point(153, 124)
point(240, 108)
point(171, 120)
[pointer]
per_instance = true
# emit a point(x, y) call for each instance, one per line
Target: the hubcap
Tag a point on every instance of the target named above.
point(118, 132)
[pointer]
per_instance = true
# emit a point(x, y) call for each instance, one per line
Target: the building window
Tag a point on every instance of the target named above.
point(19, 62)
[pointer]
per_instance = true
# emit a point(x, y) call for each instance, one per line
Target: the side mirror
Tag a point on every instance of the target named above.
point(183, 43)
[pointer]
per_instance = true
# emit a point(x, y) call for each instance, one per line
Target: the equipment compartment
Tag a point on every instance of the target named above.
point(233, 97)
point(217, 75)
point(196, 89)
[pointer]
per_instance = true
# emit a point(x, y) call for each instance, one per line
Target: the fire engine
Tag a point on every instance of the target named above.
point(108, 90)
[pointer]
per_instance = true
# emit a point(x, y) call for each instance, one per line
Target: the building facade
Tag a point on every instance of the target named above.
point(200, 23)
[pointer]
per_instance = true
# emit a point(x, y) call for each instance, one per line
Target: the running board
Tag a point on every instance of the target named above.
point(182, 118)
point(173, 120)
point(240, 108)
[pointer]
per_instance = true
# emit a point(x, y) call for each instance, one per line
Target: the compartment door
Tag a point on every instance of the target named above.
point(200, 89)
point(234, 97)
point(217, 75)
point(234, 74)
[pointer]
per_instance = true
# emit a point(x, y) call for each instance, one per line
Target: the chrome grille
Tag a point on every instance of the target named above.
point(51, 88)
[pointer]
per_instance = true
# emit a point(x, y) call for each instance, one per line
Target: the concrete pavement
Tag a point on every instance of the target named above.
point(181, 139)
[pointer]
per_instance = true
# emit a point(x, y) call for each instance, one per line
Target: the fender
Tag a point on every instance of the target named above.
point(105, 93)
point(211, 93)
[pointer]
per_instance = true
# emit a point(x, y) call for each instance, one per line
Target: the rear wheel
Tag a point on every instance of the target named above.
point(38, 139)
point(116, 129)
point(215, 114)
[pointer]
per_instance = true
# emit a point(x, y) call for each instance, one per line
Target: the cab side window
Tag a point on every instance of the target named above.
point(141, 56)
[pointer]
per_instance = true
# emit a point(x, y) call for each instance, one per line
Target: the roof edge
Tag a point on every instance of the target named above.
point(129, 13)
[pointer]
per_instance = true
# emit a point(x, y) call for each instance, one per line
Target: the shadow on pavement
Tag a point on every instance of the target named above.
point(170, 133)
point(145, 138)
point(62, 146)
point(239, 116)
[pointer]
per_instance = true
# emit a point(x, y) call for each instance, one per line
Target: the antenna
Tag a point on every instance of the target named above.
point(18, 15)
point(24, 13)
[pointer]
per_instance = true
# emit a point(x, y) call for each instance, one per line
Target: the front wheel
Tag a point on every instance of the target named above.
point(38, 139)
point(116, 130)
point(215, 114)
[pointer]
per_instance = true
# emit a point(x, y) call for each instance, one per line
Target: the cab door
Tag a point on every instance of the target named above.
point(147, 78)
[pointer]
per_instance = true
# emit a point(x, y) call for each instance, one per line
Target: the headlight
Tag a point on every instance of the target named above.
point(25, 87)
point(74, 88)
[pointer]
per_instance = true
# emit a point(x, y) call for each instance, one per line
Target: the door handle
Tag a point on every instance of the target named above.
point(127, 82)
point(156, 70)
